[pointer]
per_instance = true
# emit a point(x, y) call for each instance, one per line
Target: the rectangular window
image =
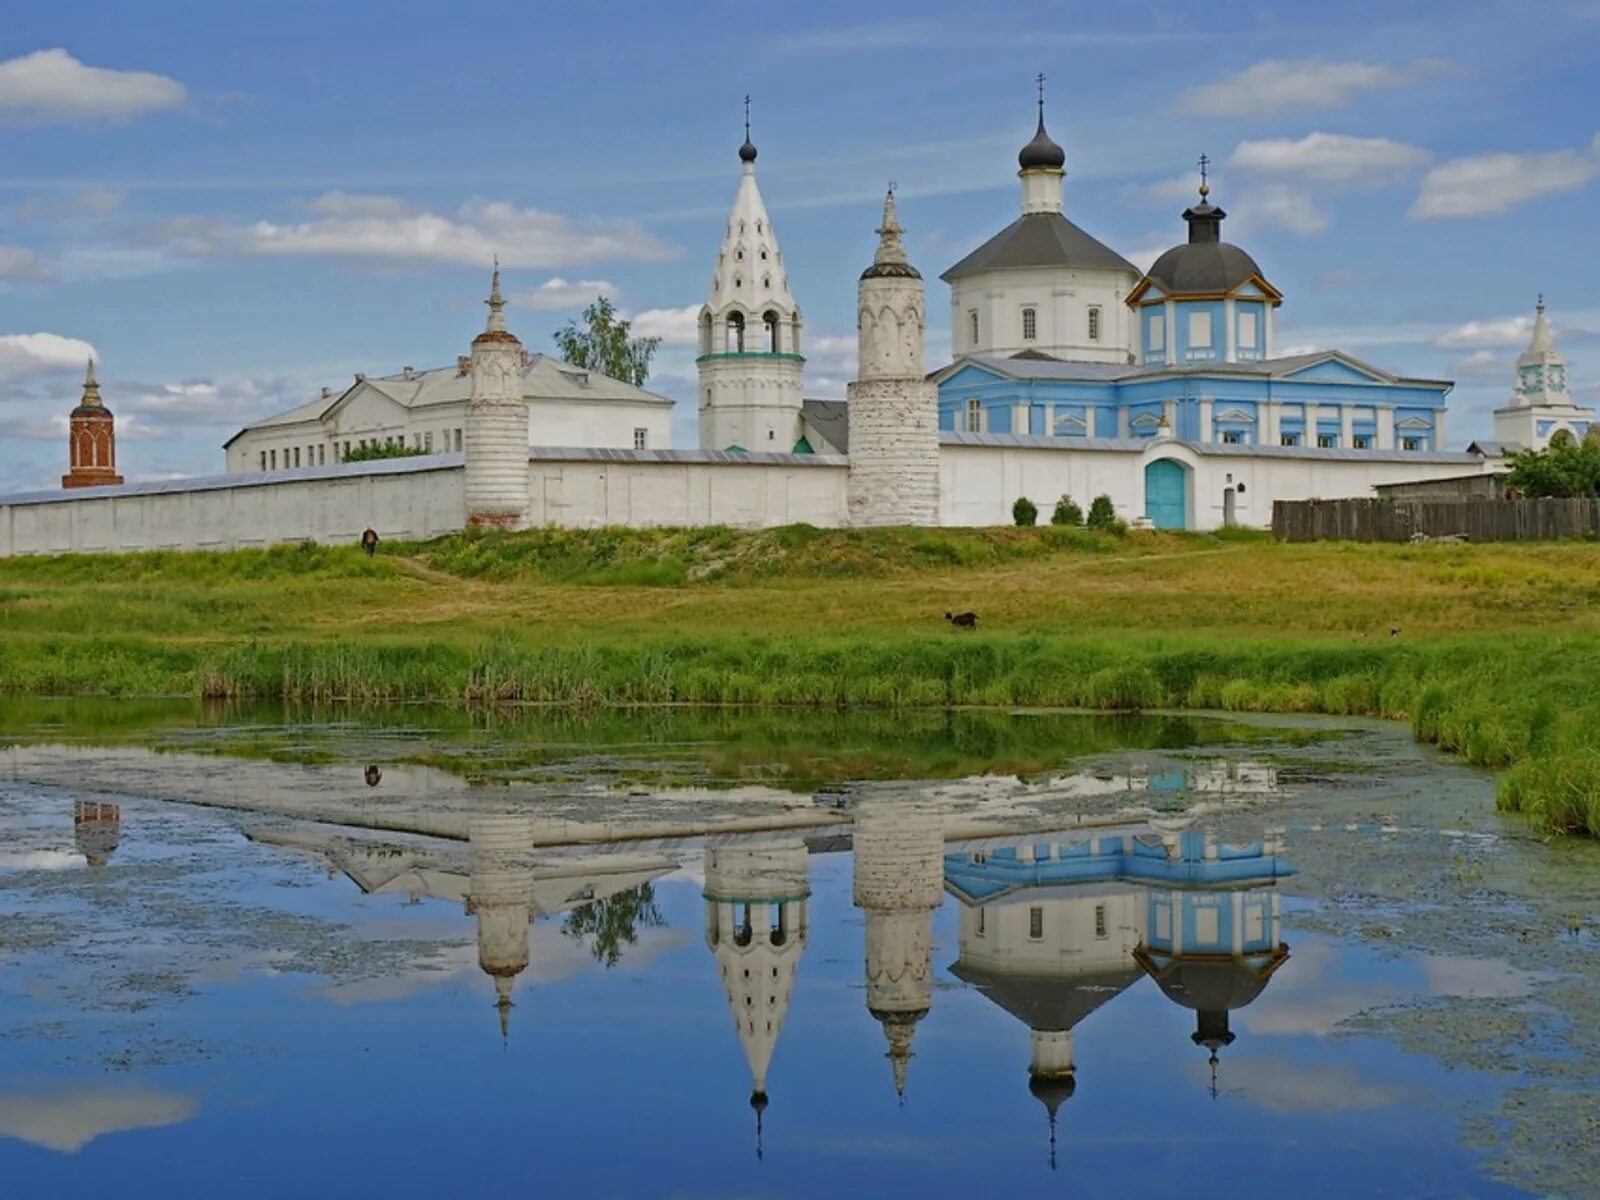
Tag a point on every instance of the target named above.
point(1158, 333)
point(297, 456)
point(1248, 330)
point(974, 416)
point(1255, 924)
point(1361, 442)
point(322, 456)
point(1164, 923)
point(274, 460)
point(981, 923)
point(972, 327)
point(1036, 923)
point(1326, 441)
point(263, 460)
point(347, 449)
point(1094, 322)
point(458, 441)
point(1200, 330)
point(1100, 920)
point(1232, 437)
point(1030, 324)
point(641, 438)
point(1288, 439)
point(1207, 926)
point(1410, 444)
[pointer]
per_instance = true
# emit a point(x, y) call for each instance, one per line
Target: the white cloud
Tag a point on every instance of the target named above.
point(41, 353)
point(1281, 1086)
point(1278, 206)
point(1492, 183)
point(558, 293)
point(69, 1120)
point(386, 229)
point(51, 85)
point(144, 409)
point(1275, 84)
point(1329, 157)
point(674, 326)
point(1498, 331)
point(90, 202)
point(18, 262)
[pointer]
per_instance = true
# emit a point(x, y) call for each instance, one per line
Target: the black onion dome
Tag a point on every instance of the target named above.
point(1042, 154)
point(891, 270)
point(747, 152)
point(1052, 1090)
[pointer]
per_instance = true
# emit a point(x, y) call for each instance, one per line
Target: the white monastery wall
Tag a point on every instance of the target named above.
point(979, 483)
point(330, 506)
point(686, 488)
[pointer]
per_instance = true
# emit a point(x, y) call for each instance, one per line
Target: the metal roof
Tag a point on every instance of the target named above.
point(831, 421)
point(1041, 240)
point(725, 457)
point(1037, 366)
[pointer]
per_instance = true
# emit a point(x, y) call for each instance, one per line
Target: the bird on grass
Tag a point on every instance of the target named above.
point(1394, 631)
point(966, 620)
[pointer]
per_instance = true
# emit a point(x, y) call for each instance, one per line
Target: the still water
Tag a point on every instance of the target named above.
point(414, 953)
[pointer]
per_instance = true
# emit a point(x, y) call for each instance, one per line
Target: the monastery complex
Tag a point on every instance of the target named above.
point(1075, 374)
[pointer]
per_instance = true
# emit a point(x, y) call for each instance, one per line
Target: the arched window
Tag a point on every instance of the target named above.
point(743, 928)
point(705, 333)
point(772, 320)
point(1561, 437)
point(735, 344)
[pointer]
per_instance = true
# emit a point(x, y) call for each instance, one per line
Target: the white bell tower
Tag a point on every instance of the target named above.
point(1541, 405)
point(750, 365)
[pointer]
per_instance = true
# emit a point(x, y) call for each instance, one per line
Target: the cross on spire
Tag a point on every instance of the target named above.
point(1040, 81)
point(747, 116)
point(1205, 187)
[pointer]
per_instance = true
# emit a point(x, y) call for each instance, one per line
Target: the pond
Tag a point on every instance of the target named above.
point(682, 952)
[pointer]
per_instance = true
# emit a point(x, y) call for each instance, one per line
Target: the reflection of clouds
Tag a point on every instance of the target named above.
point(39, 860)
point(1282, 1086)
point(1475, 978)
point(69, 1119)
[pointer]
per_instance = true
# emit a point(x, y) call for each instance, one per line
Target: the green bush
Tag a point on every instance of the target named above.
point(1067, 513)
point(373, 452)
point(1102, 513)
point(1025, 512)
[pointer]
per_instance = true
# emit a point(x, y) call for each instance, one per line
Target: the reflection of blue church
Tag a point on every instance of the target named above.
point(1050, 929)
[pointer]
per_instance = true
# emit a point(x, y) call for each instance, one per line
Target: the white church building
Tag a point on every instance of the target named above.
point(1075, 375)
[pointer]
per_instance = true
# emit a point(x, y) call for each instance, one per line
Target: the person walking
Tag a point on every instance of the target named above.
point(369, 541)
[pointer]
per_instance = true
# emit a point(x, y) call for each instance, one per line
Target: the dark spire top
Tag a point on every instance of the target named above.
point(758, 1104)
point(747, 152)
point(1205, 218)
point(1042, 154)
point(1052, 1091)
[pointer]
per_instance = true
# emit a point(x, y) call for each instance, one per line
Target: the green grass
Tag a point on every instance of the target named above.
point(1496, 657)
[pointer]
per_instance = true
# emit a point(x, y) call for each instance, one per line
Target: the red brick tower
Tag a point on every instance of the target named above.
point(92, 443)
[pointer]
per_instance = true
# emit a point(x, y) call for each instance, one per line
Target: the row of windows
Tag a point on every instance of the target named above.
point(316, 454)
point(1036, 922)
point(1030, 324)
point(1248, 338)
point(972, 422)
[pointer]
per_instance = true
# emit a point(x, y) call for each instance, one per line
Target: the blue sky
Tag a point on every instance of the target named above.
point(235, 204)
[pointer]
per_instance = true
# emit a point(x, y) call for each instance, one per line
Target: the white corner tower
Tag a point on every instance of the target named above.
point(899, 882)
point(497, 425)
point(500, 897)
point(893, 411)
point(1541, 406)
point(750, 365)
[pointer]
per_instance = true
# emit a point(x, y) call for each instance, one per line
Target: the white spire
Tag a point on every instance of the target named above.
point(496, 302)
point(750, 274)
point(890, 248)
point(1541, 369)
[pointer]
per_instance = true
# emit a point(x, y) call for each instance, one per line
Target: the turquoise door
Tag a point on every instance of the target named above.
point(1166, 494)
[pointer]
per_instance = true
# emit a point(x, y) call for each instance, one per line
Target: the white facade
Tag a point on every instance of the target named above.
point(1541, 406)
point(996, 304)
point(750, 365)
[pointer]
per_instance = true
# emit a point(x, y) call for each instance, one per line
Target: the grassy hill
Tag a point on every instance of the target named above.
point(1490, 651)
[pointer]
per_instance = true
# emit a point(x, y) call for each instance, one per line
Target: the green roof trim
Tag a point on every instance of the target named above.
point(803, 446)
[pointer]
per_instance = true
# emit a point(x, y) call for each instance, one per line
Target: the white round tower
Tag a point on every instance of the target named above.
point(757, 922)
point(893, 409)
point(899, 882)
point(751, 370)
point(497, 425)
point(1542, 406)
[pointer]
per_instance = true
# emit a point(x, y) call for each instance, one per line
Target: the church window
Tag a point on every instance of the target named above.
point(974, 416)
point(1030, 324)
point(1158, 333)
point(1100, 930)
point(1036, 923)
point(274, 460)
point(1094, 322)
point(981, 923)
point(763, 256)
point(1249, 331)
point(1232, 437)
point(739, 255)
point(758, 226)
point(322, 456)
point(297, 456)
point(705, 333)
point(641, 438)
point(458, 440)
point(1361, 441)
point(1411, 444)
point(427, 441)
point(735, 343)
point(263, 460)
point(1326, 441)
point(1199, 330)
point(1289, 439)
point(972, 326)
point(737, 282)
point(771, 321)
point(766, 282)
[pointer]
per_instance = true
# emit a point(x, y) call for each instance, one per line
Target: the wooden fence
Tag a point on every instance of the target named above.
point(1405, 520)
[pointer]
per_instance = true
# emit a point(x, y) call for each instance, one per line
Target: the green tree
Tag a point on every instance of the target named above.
point(614, 922)
point(1067, 513)
point(604, 343)
point(1566, 469)
point(1102, 513)
point(1025, 511)
point(375, 450)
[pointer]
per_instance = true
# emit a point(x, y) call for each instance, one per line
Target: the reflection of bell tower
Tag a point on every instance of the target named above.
point(95, 827)
point(757, 921)
point(500, 896)
point(899, 882)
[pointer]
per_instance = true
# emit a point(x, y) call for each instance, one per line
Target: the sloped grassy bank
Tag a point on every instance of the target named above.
point(1528, 703)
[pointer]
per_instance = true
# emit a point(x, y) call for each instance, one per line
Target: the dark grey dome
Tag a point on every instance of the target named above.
point(1207, 986)
point(747, 152)
point(1204, 265)
point(891, 270)
point(1042, 153)
point(1052, 1090)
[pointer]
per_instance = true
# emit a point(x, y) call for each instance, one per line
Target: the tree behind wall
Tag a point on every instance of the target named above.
point(373, 451)
point(1566, 469)
point(603, 343)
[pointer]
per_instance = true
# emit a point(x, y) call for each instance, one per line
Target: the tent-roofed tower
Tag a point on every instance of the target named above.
point(91, 440)
point(500, 897)
point(757, 898)
point(1042, 285)
point(751, 369)
point(1542, 407)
